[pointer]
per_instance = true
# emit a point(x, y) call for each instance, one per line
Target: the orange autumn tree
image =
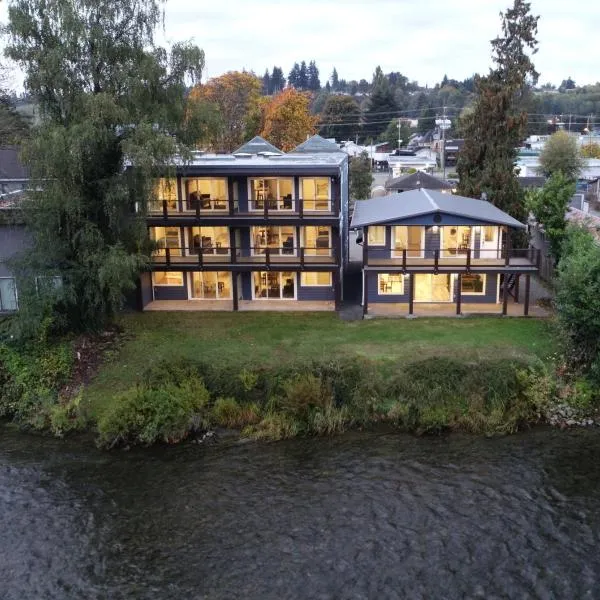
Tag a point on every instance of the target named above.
point(236, 98)
point(287, 120)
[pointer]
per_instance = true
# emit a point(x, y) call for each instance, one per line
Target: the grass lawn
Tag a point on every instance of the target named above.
point(251, 339)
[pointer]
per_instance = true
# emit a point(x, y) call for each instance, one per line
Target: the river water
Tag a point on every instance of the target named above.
point(358, 516)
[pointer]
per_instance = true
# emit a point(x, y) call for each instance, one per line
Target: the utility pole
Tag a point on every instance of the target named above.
point(399, 134)
point(444, 146)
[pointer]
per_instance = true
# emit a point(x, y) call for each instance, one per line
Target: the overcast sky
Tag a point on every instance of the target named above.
point(424, 39)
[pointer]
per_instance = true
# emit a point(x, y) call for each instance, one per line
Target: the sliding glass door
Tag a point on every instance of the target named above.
point(271, 285)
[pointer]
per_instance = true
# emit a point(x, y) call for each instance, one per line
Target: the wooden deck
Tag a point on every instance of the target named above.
point(380, 309)
point(245, 305)
point(258, 259)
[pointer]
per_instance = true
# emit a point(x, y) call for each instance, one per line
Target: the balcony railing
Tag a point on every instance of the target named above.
point(296, 255)
point(222, 206)
point(454, 257)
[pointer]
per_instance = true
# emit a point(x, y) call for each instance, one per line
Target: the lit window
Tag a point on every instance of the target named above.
point(210, 285)
point(377, 235)
point(489, 233)
point(167, 278)
point(8, 294)
point(206, 194)
point(315, 279)
point(473, 284)
point(277, 193)
point(390, 284)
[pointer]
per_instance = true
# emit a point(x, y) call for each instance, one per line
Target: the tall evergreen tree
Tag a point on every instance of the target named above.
point(314, 83)
point(340, 117)
point(267, 88)
point(277, 80)
point(382, 106)
point(109, 98)
point(303, 76)
point(294, 76)
point(335, 80)
point(495, 127)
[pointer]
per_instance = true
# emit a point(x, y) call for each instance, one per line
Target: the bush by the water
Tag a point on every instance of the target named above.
point(167, 413)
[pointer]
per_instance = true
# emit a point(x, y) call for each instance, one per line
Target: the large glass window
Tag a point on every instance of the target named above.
point(166, 237)
point(316, 240)
point(456, 240)
point(211, 285)
point(315, 279)
point(8, 294)
point(392, 284)
point(167, 278)
point(207, 193)
point(315, 193)
point(279, 240)
point(377, 235)
point(473, 284)
point(277, 193)
point(407, 238)
point(274, 285)
point(208, 240)
point(164, 189)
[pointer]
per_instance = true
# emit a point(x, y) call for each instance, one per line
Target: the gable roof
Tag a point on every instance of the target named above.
point(257, 145)
point(11, 166)
point(315, 144)
point(421, 202)
point(417, 180)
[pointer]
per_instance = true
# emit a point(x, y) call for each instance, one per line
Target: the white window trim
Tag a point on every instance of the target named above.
point(318, 285)
point(380, 293)
point(329, 199)
point(444, 250)
point(14, 280)
point(395, 253)
point(191, 287)
point(251, 207)
point(182, 284)
point(280, 286)
point(373, 245)
point(184, 180)
point(484, 275)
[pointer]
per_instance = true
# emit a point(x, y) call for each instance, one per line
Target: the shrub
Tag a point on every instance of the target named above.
point(227, 412)
point(274, 426)
point(144, 415)
point(304, 393)
point(67, 417)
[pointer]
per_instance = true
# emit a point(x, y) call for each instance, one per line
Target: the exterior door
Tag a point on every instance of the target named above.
point(489, 245)
point(433, 288)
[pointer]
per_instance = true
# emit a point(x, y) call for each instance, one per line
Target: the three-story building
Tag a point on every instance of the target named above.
point(256, 229)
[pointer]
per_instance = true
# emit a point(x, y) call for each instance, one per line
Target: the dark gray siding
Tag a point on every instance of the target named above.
point(245, 241)
point(315, 293)
point(13, 240)
point(373, 294)
point(146, 288)
point(171, 292)
point(242, 185)
point(246, 287)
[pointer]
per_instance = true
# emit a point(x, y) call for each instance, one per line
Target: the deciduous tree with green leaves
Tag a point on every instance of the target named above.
point(112, 108)
point(361, 177)
point(549, 206)
point(560, 154)
point(496, 125)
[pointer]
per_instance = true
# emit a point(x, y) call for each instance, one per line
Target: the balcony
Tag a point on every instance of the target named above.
point(297, 256)
point(208, 207)
point(452, 259)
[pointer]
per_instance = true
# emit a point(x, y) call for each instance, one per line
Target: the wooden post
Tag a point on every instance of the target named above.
point(164, 207)
point(268, 256)
point(468, 260)
point(234, 290)
point(404, 260)
point(168, 256)
point(300, 207)
point(508, 248)
point(179, 195)
point(505, 295)
point(266, 208)
point(232, 249)
point(436, 260)
point(527, 289)
point(197, 210)
point(411, 294)
point(365, 291)
point(458, 294)
point(302, 257)
point(516, 294)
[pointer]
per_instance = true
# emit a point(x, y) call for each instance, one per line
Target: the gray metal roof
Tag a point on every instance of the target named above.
point(415, 181)
point(257, 145)
point(11, 167)
point(316, 144)
point(421, 202)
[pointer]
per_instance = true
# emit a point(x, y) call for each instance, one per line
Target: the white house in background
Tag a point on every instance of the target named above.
point(529, 166)
point(402, 164)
